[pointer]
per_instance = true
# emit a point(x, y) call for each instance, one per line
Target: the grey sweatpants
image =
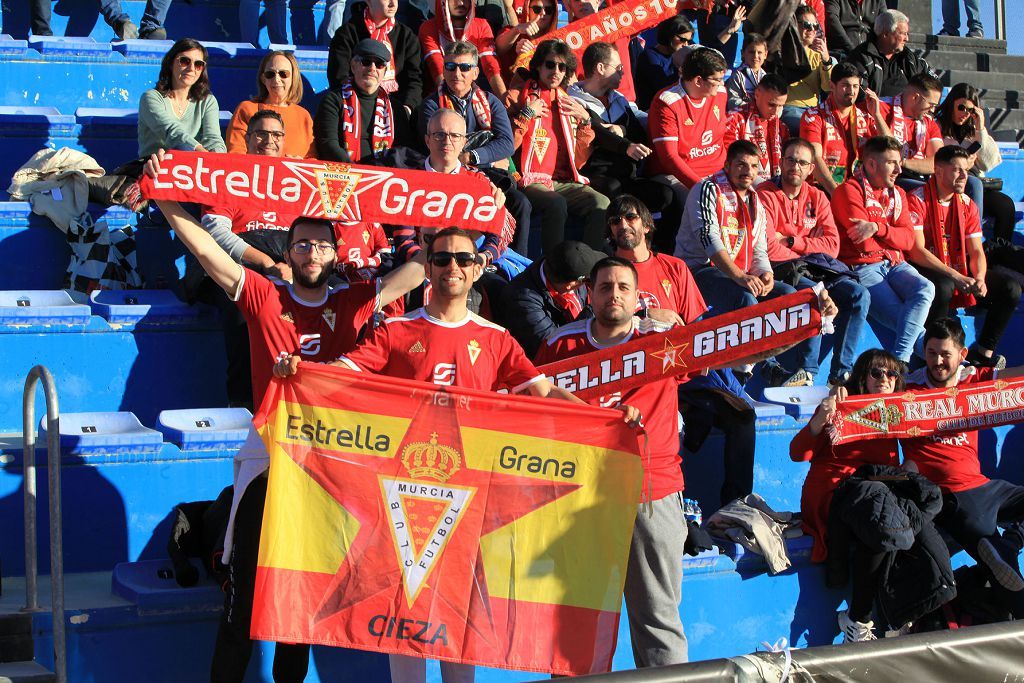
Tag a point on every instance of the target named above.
point(654, 577)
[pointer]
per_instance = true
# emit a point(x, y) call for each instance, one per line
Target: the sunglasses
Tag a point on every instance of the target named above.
point(963, 108)
point(185, 62)
point(879, 373)
point(441, 259)
point(630, 216)
point(305, 246)
point(685, 39)
point(808, 26)
point(553, 65)
point(542, 9)
point(372, 61)
point(460, 66)
point(283, 75)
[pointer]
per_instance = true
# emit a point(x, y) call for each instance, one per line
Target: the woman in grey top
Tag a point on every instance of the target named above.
point(180, 112)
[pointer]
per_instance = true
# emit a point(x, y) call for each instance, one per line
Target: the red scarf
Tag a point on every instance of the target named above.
point(448, 34)
point(534, 151)
point(570, 302)
point(767, 135)
point(945, 226)
point(383, 136)
point(888, 210)
point(389, 82)
point(481, 107)
point(833, 130)
point(735, 223)
point(898, 128)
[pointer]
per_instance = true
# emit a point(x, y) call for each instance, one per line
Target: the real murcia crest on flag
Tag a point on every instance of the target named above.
point(667, 286)
point(541, 142)
point(424, 514)
point(336, 184)
point(417, 347)
point(473, 348)
point(876, 416)
point(329, 318)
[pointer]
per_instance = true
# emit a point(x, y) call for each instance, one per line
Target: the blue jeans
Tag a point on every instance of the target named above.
point(791, 116)
point(276, 16)
point(722, 295)
point(152, 18)
point(951, 15)
point(900, 299)
point(853, 301)
point(334, 17)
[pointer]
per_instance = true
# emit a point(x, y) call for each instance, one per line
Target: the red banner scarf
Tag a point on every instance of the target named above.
point(528, 152)
point(383, 135)
point(946, 227)
point(710, 343)
point(892, 207)
point(769, 143)
point(930, 411)
point(828, 116)
point(898, 128)
point(735, 223)
point(460, 525)
point(478, 100)
point(389, 83)
point(325, 189)
point(614, 22)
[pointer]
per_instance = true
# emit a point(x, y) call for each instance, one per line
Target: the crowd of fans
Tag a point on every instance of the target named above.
point(665, 186)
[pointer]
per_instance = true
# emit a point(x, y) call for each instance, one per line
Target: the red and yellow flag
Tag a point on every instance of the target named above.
point(461, 525)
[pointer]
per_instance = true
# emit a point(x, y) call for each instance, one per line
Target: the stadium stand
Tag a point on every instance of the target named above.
point(141, 374)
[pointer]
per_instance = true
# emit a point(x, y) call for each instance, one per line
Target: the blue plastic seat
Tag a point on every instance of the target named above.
point(800, 402)
point(104, 433)
point(71, 46)
point(150, 585)
point(41, 307)
point(205, 429)
point(142, 306)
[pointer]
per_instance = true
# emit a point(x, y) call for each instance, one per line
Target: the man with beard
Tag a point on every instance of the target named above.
point(723, 241)
point(875, 230)
point(445, 344)
point(359, 121)
point(760, 122)
point(306, 318)
point(455, 20)
point(974, 505)
point(801, 228)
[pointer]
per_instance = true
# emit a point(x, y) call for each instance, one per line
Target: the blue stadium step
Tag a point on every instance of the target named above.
point(204, 429)
point(102, 433)
point(800, 402)
point(27, 308)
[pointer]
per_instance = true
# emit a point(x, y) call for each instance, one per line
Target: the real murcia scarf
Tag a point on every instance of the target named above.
point(945, 227)
point(932, 411)
point(383, 135)
point(735, 221)
point(535, 146)
point(481, 107)
point(381, 34)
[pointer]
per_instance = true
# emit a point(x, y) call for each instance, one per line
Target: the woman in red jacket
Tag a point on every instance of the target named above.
point(875, 372)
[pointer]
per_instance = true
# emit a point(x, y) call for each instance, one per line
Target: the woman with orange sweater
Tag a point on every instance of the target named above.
point(874, 372)
point(280, 89)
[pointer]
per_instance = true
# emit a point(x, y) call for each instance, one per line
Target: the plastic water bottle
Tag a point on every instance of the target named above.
point(692, 511)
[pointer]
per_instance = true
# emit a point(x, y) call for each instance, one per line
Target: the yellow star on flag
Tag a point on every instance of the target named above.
point(671, 355)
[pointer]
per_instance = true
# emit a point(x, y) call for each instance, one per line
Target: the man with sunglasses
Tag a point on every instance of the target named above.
point(456, 20)
point(360, 121)
point(654, 67)
point(801, 229)
point(306, 318)
point(403, 72)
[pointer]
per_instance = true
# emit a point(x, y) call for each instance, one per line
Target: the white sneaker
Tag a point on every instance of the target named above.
point(855, 631)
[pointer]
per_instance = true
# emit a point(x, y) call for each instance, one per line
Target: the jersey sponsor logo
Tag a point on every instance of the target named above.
point(473, 349)
point(417, 347)
point(611, 400)
point(698, 152)
point(309, 344)
point(330, 317)
point(444, 374)
point(270, 216)
point(707, 137)
point(955, 440)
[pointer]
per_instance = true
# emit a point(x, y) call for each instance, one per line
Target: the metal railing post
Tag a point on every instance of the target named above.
point(53, 465)
point(999, 9)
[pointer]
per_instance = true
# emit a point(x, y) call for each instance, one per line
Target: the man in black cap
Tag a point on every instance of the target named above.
point(550, 293)
point(359, 121)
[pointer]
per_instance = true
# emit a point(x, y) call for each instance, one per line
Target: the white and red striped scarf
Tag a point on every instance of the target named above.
point(767, 135)
point(481, 107)
point(892, 207)
point(389, 83)
point(735, 222)
point(531, 91)
point(898, 128)
point(383, 137)
point(447, 33)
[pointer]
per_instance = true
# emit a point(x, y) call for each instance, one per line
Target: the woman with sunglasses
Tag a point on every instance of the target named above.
point(180, 112)
point(875, 372)
point(539, 17)
point(962, 122)
point(280, 89)
point(806, 92)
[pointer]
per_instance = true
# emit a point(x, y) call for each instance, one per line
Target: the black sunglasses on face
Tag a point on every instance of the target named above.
point(808, 26)
point(553, 65)
point(283, 75)
point(441, 259)
point(963, 108)
point(879, 373)
point(542, 9)
point(630, 216)
point(372, 61)
point(461, 66)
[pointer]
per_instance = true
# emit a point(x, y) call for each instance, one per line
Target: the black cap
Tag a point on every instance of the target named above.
point(368, 47)
point(571, 261)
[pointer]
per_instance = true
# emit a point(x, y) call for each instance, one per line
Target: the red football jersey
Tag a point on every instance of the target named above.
point(948, 460)
point(916, 135)
point(839, 147)
point(474, 353)
point(666, 282)
point(687, 135)
point(281, 323)
point(657, 402)
point(244, 220)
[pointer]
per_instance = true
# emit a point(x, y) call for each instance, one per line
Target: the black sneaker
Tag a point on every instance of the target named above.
point(159, 33)
point(996, 360)
point(126, 30)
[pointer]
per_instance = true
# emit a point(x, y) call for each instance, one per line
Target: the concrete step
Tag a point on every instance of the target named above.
point(1001, 119)
point(1001, 99)
point(26, 672)
point(982, 79)
point(16, 647)
point(930, 43)
point(1006, 63)
point(960, 61)
point(15, 624)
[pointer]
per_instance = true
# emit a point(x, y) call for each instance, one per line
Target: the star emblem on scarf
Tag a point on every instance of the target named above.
point(671, 355)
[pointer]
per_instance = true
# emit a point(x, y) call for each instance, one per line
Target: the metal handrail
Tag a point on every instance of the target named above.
point(53, 465)
point(999, 8)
